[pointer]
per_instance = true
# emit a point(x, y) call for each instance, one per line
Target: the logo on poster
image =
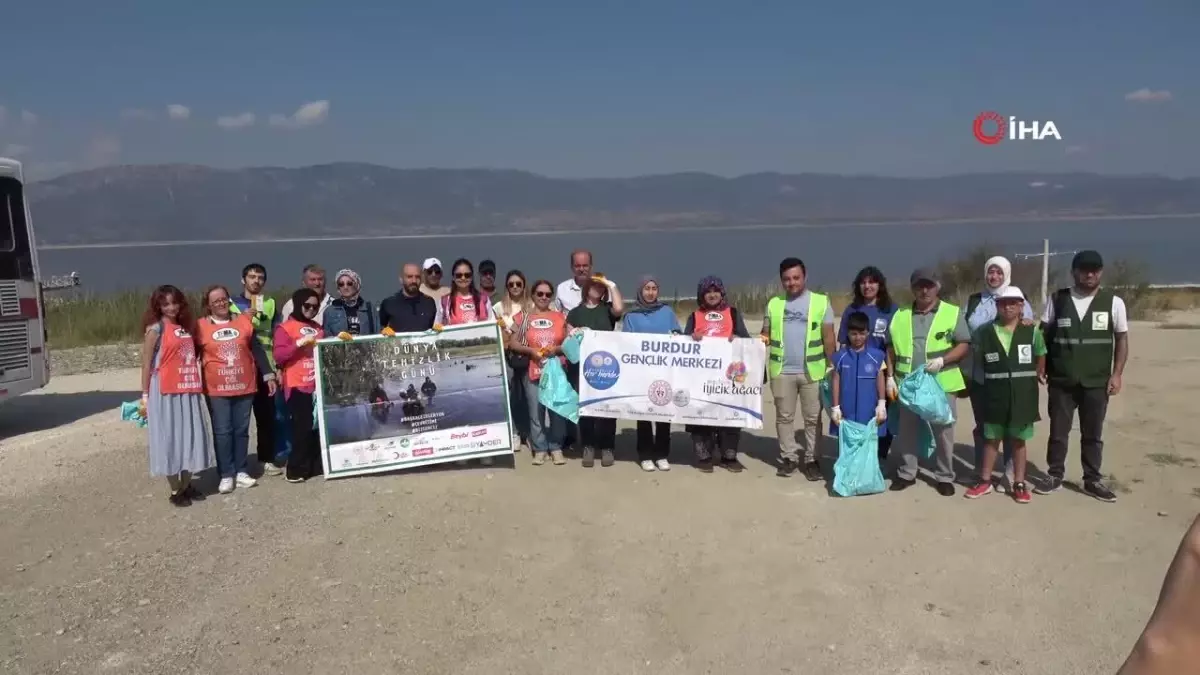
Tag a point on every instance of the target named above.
point(659, 392)
point(601, 370)
point(422, 452)
point(736, 372)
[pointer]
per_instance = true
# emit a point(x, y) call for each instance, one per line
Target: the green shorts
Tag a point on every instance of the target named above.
point(999, 432)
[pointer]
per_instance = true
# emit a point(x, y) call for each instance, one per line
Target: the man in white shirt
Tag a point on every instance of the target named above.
point(1087, 338)
point(313, 277)
point(568, 295)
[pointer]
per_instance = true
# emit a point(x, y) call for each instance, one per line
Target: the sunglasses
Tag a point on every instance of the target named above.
point(345, 284)
point(542, 294)
point(516, 284)
point(310, 307)
point(434, 270)
point(463, 275)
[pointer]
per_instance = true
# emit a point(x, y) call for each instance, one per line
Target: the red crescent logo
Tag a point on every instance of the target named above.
point(992, 138)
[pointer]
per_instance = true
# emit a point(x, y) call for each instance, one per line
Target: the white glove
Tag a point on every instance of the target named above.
point(881, 412)
point(934, 365)
point(835, 414)
point(892, 390)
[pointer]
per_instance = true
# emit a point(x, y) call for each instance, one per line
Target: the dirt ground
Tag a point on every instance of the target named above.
point(565, 570)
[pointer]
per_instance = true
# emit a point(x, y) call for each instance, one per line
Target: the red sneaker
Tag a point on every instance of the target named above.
point(982, 488)
point(1020, 493)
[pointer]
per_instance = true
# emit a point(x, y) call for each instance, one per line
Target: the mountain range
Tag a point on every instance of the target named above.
point(177, 202)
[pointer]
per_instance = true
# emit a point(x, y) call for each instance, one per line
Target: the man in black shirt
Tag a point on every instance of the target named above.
point(409, 310)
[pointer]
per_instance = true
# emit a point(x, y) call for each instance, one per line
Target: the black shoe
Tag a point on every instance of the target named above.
point(945, 489)
point(812, 471)
point(786, 469)
point(732, 465)
point(899, 484)
point(606, 458)
point(1099, 491)
point(179, 499)
point(705, 465)
point(1052, 484)
point(589, 458)
point(193, 494)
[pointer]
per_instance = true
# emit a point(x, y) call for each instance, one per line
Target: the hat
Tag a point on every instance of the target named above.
point(1089, 260)
point(924, 274)
point(487, 267)
point(431, 263)
point(1010, 293)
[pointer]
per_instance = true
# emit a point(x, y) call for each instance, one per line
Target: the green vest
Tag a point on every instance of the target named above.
point(939, 341)
point(1080, 348)
point(814, 351)
point(1010, 386)
point(263, 322)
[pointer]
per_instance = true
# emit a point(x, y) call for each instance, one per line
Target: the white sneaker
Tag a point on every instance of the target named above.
point(271, 469)
point(244, 480)
point(663, 465)
point(647, 465)
point(225, 486)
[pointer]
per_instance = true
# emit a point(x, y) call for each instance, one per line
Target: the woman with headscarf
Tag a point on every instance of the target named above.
point(981, 312)
point(601, 308)
point(295, 340)
point(514, 303)
point(714, 318)
point(349, 314)
point(871, 297)
point(651, 315)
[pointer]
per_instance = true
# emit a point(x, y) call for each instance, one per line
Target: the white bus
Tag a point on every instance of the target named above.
point(24, 363)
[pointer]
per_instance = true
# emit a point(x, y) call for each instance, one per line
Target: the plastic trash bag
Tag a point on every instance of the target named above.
point(556, 393)
point(570, 347)
point(130, 412)
point(921, 393)
point(857, 469)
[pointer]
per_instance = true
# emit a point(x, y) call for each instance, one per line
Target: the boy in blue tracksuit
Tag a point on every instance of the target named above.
point(859, 379)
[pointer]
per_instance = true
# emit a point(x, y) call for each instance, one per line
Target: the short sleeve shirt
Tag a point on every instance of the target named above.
point(922, 322)
point(795, 330)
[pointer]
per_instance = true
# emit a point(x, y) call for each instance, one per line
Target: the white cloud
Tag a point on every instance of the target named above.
point(307, 115)
point(240, 121)
point(103, 150)
point(1076, 149)
point(1145, 95)
point(178, 112)
point(15, 150)
point(138, 114)
point(1037, 184)
point(28, 118)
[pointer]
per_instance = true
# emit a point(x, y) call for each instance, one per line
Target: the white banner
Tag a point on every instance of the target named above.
point(672, 378)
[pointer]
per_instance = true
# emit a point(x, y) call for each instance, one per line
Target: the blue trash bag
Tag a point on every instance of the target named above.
point(570, 347)
point(556, 393)
point(921, 393)
point(857, 469)
point(130, 412)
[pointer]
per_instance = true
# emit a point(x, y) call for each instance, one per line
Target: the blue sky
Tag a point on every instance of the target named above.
point(603, 89)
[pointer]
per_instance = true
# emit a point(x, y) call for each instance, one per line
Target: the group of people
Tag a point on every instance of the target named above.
point(242, 357)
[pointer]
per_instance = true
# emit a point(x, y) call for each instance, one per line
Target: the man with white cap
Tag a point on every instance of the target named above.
point(431, 284)
point(932, 332)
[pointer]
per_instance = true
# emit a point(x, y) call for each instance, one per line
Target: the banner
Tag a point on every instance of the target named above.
point(387, 403)
point(672, 378)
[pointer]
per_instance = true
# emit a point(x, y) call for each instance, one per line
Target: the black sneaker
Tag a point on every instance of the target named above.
point(899, 484)
point(732, 465)
point(786, 469)
point(589, 458)
point(945, 489)
point(705, 465)
point(606, 458)
point(195, 495)
point(812, 471)
point(1051, 485)
point(1099, 491)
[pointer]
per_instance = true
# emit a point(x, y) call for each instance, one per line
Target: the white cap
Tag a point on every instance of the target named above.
point(431, 262)
point(1011, 292)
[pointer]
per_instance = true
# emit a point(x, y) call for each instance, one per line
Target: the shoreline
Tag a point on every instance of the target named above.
point(622, 230)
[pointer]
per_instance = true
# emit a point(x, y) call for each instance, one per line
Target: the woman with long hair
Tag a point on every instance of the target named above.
point(601, 308)
point(871, 297)
point(515, 302)
point(231, 360)
point(538, 335)
point(295, 341)
point(464, 303)
point(651, 315)
point(172, 394)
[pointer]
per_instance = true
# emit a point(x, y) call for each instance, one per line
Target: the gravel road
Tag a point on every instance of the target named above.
point(523, 569)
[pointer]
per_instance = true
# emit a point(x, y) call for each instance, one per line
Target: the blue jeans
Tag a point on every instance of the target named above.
point(546, 428)
point(231, 431)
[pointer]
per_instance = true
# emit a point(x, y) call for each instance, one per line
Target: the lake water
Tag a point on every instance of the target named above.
point(832, 253)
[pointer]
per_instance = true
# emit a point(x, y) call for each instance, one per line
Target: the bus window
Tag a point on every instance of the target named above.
point(8, 237)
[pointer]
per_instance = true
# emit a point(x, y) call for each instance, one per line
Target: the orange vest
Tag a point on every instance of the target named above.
point(301, 372)
point(714, 323)
point(465, 310)
point(178, 371)
point(543, 329)
point(228, 362)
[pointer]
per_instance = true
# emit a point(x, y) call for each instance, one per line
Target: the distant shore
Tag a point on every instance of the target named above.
point(622, 230)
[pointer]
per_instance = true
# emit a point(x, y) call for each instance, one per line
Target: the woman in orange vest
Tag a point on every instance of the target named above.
point(295, 341)
point(714, 318)
point(231, 359)
point(538, 334)
point(172, 394)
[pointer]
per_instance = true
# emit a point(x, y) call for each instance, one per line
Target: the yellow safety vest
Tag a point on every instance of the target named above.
point(262, 326)
point(814, 351)
point(939, 341)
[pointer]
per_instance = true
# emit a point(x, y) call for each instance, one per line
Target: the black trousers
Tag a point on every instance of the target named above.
point(711, 442)
point(598, 432)
point(264, 422)
point(305, 461)
point(653, 440)
point(1092, 404)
